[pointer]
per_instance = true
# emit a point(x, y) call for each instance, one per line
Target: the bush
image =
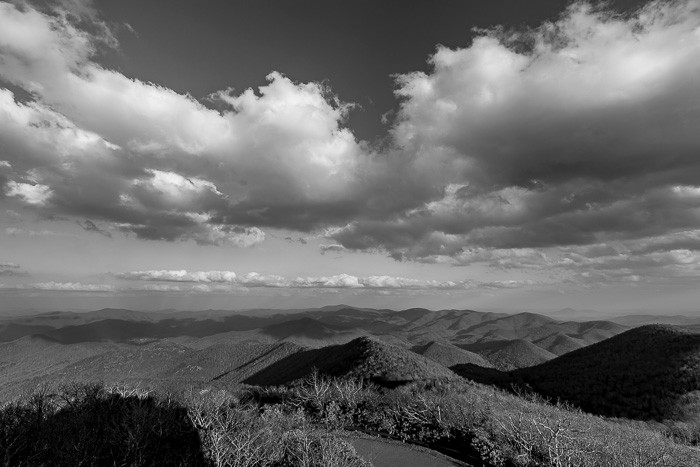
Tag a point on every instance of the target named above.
point(241, 434)
point(88, 425)
point(485, 426)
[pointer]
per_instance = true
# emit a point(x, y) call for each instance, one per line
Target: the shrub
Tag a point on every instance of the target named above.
point(487, 426)
point(243, 434)
point(87, 425)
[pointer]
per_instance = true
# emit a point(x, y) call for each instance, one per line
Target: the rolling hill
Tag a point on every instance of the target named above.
point(449, 355)
point(220, 347)
point(362, 358)
point(644, 373)
point(560, 343)
point(510, 354)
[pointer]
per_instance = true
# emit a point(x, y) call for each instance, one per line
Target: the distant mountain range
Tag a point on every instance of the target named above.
point(316, 327)
point(601, 366)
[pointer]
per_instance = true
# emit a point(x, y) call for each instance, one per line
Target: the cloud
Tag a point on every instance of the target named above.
point(218, 281)
point(10, 269)
point(16, 232)
point(147, 160)
point(301, 240)
point(391, 282)
point(577, 132)
point(340, 281)
point(253, 279)
point(90, 226)
point(31, 194)
point(155, 288)
point(179, 276)
point(649, 260)
point(331, 248)
point(65, 287)
point(530, 149)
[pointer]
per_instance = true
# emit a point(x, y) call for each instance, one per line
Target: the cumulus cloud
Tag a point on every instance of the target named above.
point(66, 287)
point(655, 259)
point(181, 275)
point(538, 149)
point(579, 132)
point(31, 194)
point(217, 281)
point(340, 281)
point(253, 279)
point(96, 144)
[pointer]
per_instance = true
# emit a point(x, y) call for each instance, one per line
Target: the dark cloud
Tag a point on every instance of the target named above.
point(300, 240)
point(90, 226)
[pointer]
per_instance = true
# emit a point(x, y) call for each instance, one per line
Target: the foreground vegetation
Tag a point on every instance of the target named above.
point(482, 425)
point(295, 426)
point(93, 425)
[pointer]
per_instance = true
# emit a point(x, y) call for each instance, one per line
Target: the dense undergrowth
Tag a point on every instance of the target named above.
point(294, 426)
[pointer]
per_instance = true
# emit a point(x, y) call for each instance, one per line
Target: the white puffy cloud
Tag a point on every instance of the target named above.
point(181, 275)
point(392, 282)
point(228, 281)
point(32, 194)
point(254, 279)
point(158, 163)
point(572, 105)
point(578, 132)
point(68, 287)
point(339, 281)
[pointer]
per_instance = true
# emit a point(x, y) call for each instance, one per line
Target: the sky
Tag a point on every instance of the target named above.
point(490, 155)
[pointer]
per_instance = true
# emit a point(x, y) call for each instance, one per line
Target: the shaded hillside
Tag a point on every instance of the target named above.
point(512, 354)
point(643, 373)
point(362, 358)
point(449, 355)
point(230, 362)
point(272, 354)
